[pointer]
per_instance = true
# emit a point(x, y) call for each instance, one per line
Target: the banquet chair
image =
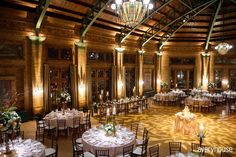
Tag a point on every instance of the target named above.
point(40, 124)
point(205, 106)
point(77, 148)
point(75, 128)
point(196, 148)
point(39, 136)
point(141, 151)
point(120, 122)
point(62, 126)
point(145, 136)
point(86, 123)
point(174, 147)
point(225, 154)
point(53, 150)
point(134, 128)
point(195, 106)
point(154, 151)
point(102, 153)
point(48, 128)
point(127, 151)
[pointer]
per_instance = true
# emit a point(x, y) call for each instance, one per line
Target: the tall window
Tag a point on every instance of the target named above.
point(101, 81)
point(182, 78)
point(232, 78)
point(218, 77)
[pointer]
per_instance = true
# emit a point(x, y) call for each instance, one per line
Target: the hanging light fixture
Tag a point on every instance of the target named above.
point(223, 47)
point(132, 12)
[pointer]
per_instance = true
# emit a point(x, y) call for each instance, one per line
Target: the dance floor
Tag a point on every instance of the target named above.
point(159, 120)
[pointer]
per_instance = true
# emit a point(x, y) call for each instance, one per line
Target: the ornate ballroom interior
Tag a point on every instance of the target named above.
point(117, 78)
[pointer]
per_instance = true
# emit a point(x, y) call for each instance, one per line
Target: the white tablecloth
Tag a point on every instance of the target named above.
point(52, 117)
point(25, 148)
point(95, 139)
point(184, 155)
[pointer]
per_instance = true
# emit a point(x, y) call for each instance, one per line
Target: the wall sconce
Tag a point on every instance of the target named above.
point(141, 82)
point(205, 82)
point(225, 82)
point(120, 84)
point(37, 91)
point(81, 88)
point(158, 81)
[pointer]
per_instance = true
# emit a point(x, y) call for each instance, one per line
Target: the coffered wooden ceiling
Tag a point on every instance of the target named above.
point(193, 27)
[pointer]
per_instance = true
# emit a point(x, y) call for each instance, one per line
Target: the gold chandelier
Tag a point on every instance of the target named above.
point(132, 12)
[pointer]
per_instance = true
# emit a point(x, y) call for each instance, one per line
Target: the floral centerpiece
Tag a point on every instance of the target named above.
point(110, 126)
point(65, 96)
point(211, 86)
point(8, 116)
point(65, 99)
point(164, 86)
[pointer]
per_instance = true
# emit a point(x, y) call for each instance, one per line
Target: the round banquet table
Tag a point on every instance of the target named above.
point(96, 139)
point(186, 124)
point(24, 148)
point(52, 117)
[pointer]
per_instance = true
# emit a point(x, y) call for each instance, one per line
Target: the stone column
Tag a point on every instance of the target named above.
point(140, 73)
point(36, 47)
point(158, 71)
point(120, 74)
point(205, 69)
point(81, 61)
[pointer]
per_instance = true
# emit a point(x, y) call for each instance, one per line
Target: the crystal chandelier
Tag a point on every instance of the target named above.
point(223, 48)
point(132, 12)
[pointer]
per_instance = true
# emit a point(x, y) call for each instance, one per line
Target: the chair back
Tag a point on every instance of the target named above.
point(134, 128)
point(61, 124)
point(127, 151)
point(196, 148)
point(102, 153)
point(145, 134)
point(225, 154)
point(76, 121)
point(174, 147)
point(144, 146)
point(154, 151)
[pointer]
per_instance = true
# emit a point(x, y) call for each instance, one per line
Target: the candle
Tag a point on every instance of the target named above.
point(101, 92)
point(107, 93)
point(176, 85)
point(108, 112)
point(114, 110)
point(100, 96)
point(201, 128)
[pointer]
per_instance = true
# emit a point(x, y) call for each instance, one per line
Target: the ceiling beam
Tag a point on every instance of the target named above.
point(178, 24)
point(161, 25)
point(41, 8)
point(212, 25)
point(92, 16)
point(185, 4)
point(124, 34)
